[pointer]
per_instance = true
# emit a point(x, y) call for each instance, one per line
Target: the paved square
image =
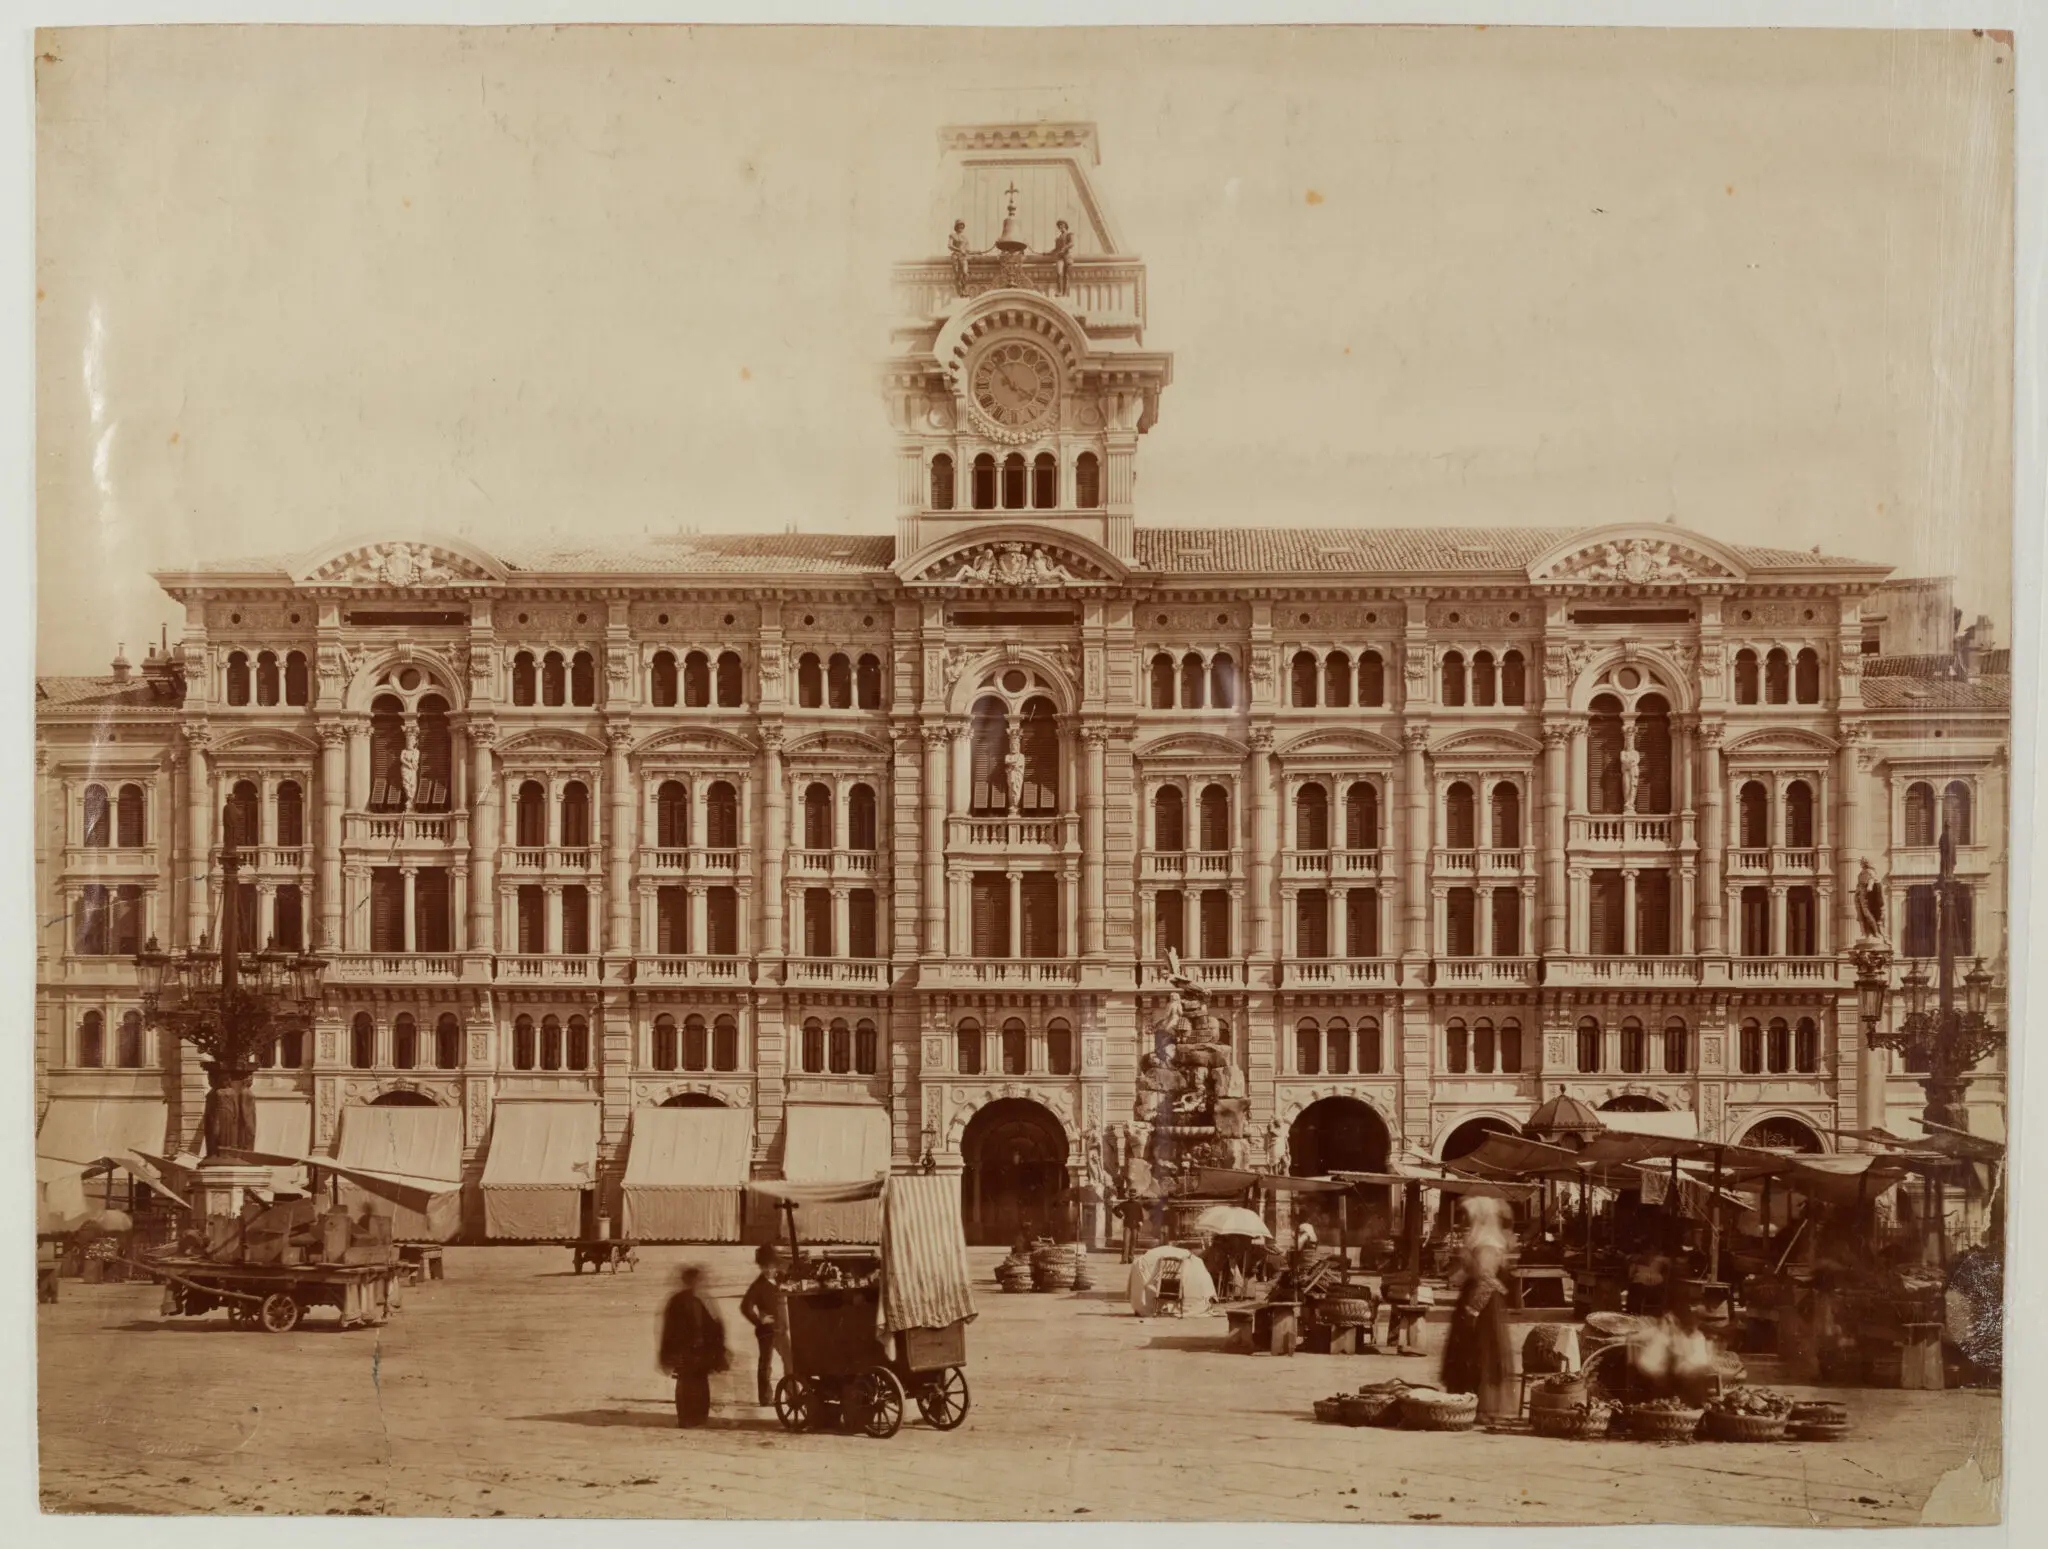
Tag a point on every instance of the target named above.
point(516, 1388)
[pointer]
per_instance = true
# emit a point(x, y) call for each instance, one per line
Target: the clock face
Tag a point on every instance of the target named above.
point(1015, 385)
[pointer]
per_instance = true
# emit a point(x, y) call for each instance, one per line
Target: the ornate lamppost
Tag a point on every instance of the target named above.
point(929, 1164)
point(231, 1008)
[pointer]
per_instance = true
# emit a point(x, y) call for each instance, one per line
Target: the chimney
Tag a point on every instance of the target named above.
point(121, 662)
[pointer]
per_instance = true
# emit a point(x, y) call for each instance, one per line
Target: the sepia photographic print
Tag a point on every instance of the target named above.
point(1177, 774)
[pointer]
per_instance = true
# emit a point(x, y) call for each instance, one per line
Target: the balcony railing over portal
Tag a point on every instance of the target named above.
point(1011, 970)
point(1054, 831)
point(405, 828)
point(1621, 832)
point(1486, 970)
point(374, 967)
point(1340, 970)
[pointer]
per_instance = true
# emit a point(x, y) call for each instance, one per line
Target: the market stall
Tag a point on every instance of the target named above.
point(830, 1143)
point(78, 1132)
point(540, 1170)
point(686, 1174)
point(405, 1163)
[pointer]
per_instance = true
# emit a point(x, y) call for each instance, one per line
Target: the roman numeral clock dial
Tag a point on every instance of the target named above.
point(1015, 386)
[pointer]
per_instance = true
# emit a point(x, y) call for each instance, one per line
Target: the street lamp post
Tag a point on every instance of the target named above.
point(929, 1163)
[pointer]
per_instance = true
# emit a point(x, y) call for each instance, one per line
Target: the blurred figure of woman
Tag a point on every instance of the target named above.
point(1478, 1356)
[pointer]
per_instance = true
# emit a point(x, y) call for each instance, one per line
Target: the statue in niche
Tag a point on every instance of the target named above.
point(1013, 770)
point(1631, 768)
point(409, 769)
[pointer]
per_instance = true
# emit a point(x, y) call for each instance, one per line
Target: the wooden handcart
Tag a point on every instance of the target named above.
point(276, 1297)
point(602, 1253)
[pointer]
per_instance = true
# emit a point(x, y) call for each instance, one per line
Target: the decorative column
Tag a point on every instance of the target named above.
point(1016, 882)
point(1557, 739)
point(699, 921)
point(333, 793)
point(842, 938)
point(937, 766)
point(1848, 835)
point(1777, 919)
point(1265, 839)
point(1482, 923)
point(1094, 902)
point(774, 856)
point(358, 767)
point(551, 941)
point(1712, 839)
point(1578, 774)
point(408, 885)
point(483, 839)
point(198, 831)
point(1579, 934)
point(618, 882)
point(1628, 911)
point(1415, 843)
point(1072, 939)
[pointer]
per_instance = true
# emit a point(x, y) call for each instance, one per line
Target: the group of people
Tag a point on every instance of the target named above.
point(693, 1337)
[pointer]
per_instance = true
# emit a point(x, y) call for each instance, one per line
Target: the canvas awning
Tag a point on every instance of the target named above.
point(419, 1152)
point(79, 1131)
point(1226, 1181)
point(926, 1282)
point(685, 1168)
point(542, 1157)
point(1677, 1123)
point(284, 1125)
point(836, 1143)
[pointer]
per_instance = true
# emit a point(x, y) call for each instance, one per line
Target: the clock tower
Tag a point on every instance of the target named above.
point(1019, 381)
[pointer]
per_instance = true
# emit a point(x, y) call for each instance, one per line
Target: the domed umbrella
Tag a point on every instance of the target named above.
point(1564, 1120)
point(1231, 1221)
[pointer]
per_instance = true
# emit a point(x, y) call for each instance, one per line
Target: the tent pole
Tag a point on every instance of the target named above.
point(1344, 1230)
point(1714, 1233)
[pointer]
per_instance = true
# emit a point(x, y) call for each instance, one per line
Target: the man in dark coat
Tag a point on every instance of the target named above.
point(692, 1347)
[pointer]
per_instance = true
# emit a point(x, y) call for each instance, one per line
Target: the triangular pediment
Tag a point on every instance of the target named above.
point(836, 744)
point(1638, 554)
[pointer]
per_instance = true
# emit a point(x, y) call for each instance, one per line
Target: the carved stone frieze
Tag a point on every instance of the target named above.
point(403, 565)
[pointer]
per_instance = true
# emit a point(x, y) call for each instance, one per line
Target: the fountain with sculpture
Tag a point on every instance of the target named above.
point(1190, 1111)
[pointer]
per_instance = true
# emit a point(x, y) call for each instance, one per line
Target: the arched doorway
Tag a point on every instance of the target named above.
point(692, 1100)
point(403, 1100)
point(1469, 1136)
point(1782, 1134)
point(1338, 1134)
point(1015, 1153)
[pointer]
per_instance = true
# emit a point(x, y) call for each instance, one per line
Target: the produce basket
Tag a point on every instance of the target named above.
point(1582, 1422)
point(1379, 1404)
point(1560, 1391)
point(1817, 1422)
point(1662, 1422)
point(1345, 1312)
point(1728, 1425)
point(1429, 1411)
point(1331, 1410)
point(1014, 1275)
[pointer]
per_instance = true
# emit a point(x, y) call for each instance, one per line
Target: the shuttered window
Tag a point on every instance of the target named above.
point(1312, 923)
point(671, 921)
point(433, 920)
point(1215, 923)
point(817, 922)
point(1604, 933)
point(989, 914)
point(1603, 755)
point(1172, 924)
point(722, 926)
point(575, 921)
point(1039, 894)
point(1507, 922)
point(860, 924)
point(1653, 913)
point(533, 920)
point(1756, 922)
point(387, 909)
point(1460, 922)
point(1362, 923)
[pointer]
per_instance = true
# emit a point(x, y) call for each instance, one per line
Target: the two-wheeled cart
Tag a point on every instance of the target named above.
point(276, 1297)
point(862, 1332)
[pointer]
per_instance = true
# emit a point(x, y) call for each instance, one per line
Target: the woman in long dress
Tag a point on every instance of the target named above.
point(1478, 1355)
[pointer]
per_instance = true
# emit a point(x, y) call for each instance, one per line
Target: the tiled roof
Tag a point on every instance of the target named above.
point(804, 553)
point(85, 693)
point(1983, 693)
point(1183, 550)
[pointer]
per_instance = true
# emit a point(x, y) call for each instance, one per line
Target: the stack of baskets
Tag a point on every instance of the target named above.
point(1376, 1404)
point(1014, 1274)
point(1817, 1422)
point(1428, 1409)
point(1057, 1268)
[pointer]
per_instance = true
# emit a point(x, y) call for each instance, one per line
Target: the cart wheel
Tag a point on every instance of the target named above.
point(242, 1315)
point(793, 1404)
point(280, 1314)
point(876, 1398)
point(944, 1400)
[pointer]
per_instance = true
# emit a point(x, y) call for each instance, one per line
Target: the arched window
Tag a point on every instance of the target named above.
point(1780, 1046)
point(665, 1050)
point(868, 681)
point(1362, 816)
point(1507, 817)
point(1589, 1045)
point(1308, 1047)
point(661, 680)
point(531, 819)
point(1162, 679)
point(1919, 814)
point(1754, 815)
point(988, 739)
point(1013, 482)
point(238, 677)
point(1222, 681)
point(268, 688)
point(866, 1054)
point(1453, 678)
point(1369, 1046)
point(1482, 1046)
point(128, 1042)
point(447, 1042)
point(1059, 1047)
point(725, 1042)
point(1745, 677)
point(1039, 740)
point(1372, 680)
point(672, 815)
point(1169, 820)
point(554, 679)
point(243, 816)
point(1955, 812)
point(984, 481)
point(1193, 680)
point(92, 1040)
point(1312, 818)
point(1458, 818)
point(1635, 1047)
point(817, 818)
point(1016, 1048)
point(524, 1051)
point(291, 815)
point(435, 789)
point(362, 1043)
point(1603, 754)
point(839, 682)
point(696, 681)
point(1087, 482)
point(721, 817)
point(1303, 680)
point(297, 682)
point(551, 1042)
point(1750, 1047)
point(1337, 1047)
point(387, 746)
point(1806, 677)
point(1337, 679)
point(1677, 1056)
point(1045, 482)
point(967, 1047)
point(1510, 1047)
point(405, 1041)
point(129, 827)
point(579, 1043)
point(814, 1046)
point(1777, 677)
point(1799, 815)
point(942, 483)
point(1806, 1047)
point(1215, 819)
point(98, 828)
point(1457, 1050)
point(523, 679)
point(575, 815)
point(860, 818)
point(729, 685)
point(1513, 689)
point(696, 1043)
point(810, 682)
point(1482, 678)
point(1653, 741)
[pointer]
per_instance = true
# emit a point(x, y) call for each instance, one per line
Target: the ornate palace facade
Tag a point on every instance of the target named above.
point(1445, 820)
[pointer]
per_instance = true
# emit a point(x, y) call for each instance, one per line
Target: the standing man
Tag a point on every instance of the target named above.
point(758, 1308)
point(692, 1347)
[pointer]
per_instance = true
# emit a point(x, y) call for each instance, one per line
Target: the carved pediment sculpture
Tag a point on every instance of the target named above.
point(404, 565)
point(1011, 563)
point(1636, 562)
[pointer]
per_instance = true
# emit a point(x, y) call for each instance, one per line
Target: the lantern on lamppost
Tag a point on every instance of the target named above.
point(929, 1163)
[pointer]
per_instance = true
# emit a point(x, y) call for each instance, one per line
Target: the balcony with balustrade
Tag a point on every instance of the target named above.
point(1339, 972)
point(860, 866)
point(1196, 868)
point(1479, 867)
point(405, 831)
point(1221, 973)
point(997, 834)
point(713, 867)
point(1607, 833)
point(1006, 972)
point(424, 968)
point(1361, 866)
point(1799, 864)
point(1643, 972)
point(857, 972)
point(579, 863)
point(692, 969)
point(1484, 972)
point(551, 968)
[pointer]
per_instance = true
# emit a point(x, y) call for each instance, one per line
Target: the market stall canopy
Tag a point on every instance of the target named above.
point(1485, 1188)
point(420, 1151)
point(1564, 1116)
point(284, 1127)
point(803, 1194)
point(926, 1281)
point(685, 1168)
point(1231, 1221)
point(171, 1179)
point(1222, 1181)
point(836, 1143)
point(1677, 1123)
point(1197, 1288)
point(75, 1133)
point(542, 1157)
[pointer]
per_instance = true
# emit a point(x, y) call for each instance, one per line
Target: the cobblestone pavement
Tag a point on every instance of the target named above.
point(517, 1389)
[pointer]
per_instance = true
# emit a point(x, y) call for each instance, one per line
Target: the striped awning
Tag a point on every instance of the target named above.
point(925, 1279)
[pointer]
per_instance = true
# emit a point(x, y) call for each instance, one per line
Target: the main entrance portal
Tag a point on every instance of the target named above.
point(1016, 1173)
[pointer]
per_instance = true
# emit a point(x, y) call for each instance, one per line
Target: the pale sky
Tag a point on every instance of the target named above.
point(299, 284)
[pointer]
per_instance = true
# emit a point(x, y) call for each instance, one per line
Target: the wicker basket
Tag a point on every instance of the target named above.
point(1439, 1411)
point(1726, 1425)
point(1543, 1397)
point(1586, 1423)
point(1330, 1410)
point(1646, 1424)
point(1815, 1430)
point(1370, 1408)
point(1817, 1412)
point(1345, 1312)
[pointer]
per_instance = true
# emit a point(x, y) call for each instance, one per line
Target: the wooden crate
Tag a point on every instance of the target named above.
point(928, 1349)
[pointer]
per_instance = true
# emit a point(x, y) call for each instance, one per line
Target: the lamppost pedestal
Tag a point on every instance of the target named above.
point(221, 1187)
